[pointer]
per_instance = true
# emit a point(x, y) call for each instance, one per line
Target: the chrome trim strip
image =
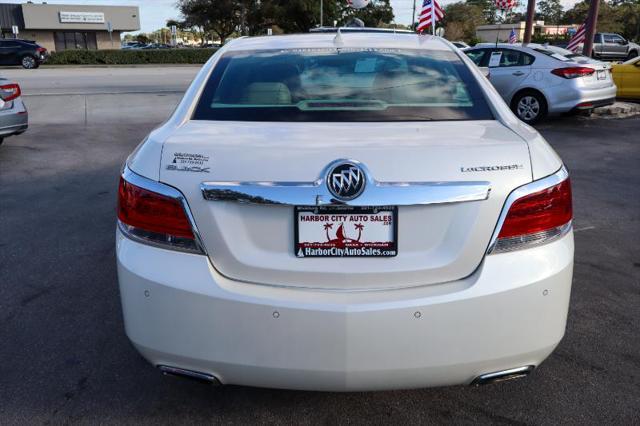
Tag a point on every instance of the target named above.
point(183, 372)
point(168, 191)
point(375, 193)
point(529, 188)
point(512, 373)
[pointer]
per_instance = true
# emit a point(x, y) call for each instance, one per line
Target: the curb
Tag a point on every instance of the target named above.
point(618, 110)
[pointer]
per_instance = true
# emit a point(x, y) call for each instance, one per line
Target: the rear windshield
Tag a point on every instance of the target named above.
point(554, 55)
point(341, 85)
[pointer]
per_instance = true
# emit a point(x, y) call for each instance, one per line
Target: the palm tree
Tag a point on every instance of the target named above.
point(328, 226)
point(359, 227)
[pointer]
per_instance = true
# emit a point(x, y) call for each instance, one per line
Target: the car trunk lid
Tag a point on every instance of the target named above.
point(438, 242)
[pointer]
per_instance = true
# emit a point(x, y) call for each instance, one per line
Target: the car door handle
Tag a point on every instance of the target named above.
point(518, 73)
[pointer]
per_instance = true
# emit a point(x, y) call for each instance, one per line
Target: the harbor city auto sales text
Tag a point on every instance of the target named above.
point(385, 218)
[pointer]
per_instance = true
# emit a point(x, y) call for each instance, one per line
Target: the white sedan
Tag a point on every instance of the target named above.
point(537, 80)
point(344, 212)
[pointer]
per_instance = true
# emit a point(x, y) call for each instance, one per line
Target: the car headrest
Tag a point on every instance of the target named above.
point(267, 93)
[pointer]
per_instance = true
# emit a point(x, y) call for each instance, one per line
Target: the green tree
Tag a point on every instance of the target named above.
point(628, 14)
point(172, 22)
point(221, 17)
point(608, 17)
point(550, 11)
point(488, 8)
point(301, 15)
point(377, 14)
point(143, 38)
point(461, 19)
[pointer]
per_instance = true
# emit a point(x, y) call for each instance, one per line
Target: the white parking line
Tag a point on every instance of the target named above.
point(586, 228)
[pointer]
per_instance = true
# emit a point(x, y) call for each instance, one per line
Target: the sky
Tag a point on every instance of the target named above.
point(154, 13)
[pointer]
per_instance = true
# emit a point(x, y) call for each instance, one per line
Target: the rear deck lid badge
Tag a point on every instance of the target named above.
point(346, 181)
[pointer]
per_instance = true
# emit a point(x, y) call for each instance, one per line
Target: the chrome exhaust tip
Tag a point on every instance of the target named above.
point(503, 375)
point(189, 374)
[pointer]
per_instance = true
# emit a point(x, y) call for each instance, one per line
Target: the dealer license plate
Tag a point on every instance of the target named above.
point(346, 231)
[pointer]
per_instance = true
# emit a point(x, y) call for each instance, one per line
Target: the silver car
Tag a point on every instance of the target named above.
point(536, 81)
point(14, 118)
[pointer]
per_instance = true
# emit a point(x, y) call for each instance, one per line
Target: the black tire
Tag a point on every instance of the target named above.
point(529, 106)
point(632, 54)
point(29, 62)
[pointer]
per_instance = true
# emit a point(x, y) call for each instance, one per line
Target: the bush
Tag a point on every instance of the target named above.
point(131, 57)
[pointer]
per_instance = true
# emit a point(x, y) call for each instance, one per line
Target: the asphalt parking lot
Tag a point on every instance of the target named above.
point(64, 357)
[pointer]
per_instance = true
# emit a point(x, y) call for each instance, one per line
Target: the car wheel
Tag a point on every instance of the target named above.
point(632, 55)
point(530, 107)
point(29, 62)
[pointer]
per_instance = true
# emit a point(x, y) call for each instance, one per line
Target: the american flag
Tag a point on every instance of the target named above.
point(512, 36)
point(430, 14)
point(578, 37)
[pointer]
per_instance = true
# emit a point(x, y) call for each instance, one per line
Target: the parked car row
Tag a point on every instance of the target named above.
point(137, 46)
point(537, 80)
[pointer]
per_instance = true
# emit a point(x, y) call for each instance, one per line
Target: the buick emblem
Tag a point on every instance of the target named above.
point(346, 181)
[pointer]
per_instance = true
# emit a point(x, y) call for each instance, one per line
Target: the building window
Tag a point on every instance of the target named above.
point(75, 40)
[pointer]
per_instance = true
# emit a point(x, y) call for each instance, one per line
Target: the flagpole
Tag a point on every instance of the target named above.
point(413, 18)
point(499, 27)
point(433, 18)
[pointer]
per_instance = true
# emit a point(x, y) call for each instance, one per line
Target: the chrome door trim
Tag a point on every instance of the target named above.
point(375, 193)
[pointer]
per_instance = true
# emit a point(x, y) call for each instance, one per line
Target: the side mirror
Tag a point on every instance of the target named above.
point(624, 42)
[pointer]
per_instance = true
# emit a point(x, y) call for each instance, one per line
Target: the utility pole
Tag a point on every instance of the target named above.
point(528, 28)
point(592, 23)
point(321, 13)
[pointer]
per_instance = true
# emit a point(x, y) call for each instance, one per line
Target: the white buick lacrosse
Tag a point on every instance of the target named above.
point(344, 212)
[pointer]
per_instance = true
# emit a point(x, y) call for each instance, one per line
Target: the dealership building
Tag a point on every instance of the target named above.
point(59, 27)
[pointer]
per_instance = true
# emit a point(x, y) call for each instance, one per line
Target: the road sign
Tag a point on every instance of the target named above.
point(174, 30)
point(110, 29)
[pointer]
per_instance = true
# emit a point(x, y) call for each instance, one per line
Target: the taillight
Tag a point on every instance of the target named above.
point(9, 92)
point(536, 215)
point(573, 72)
point(156, 217)
point(41, 50)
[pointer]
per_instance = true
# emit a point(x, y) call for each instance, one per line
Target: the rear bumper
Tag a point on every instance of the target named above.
point(576, 98)
point(14, 120)
point(180, 312)
point(594, 104)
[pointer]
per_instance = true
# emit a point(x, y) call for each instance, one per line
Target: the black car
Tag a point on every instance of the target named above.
point(22, 52)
